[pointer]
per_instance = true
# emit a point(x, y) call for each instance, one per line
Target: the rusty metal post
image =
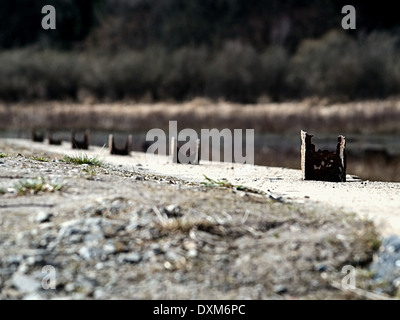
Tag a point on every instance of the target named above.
point(196, 159)
point(53, 141)
point(125, 151)
point(76, 144)
point(323, 165)
point(37, 137)
point(110, 143)
point(128, 144)
point(173, 151)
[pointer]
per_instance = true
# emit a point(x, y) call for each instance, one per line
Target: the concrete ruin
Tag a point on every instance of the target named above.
point(323, 165)
point(122, 151)
point(37, 136)
point(80, 144)
point(52, 140)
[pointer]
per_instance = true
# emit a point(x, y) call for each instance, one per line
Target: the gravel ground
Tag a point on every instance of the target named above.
point(130, 230)
point(372, 200)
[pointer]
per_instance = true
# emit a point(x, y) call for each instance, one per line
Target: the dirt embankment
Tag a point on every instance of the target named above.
point(121, 231)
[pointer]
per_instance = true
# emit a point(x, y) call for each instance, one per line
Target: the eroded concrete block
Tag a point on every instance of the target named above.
point(323, 165)
point(37, 136)
point(83, 144)
point(123, 151)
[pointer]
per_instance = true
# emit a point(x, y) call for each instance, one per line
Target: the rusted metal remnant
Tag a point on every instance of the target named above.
point(53, 141)
point(76, 144)
point(37, 137)
point(175, 153)
point(125, 151)
point(323, 165)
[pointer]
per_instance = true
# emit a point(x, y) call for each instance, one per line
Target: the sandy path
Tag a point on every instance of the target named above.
point(379, 201)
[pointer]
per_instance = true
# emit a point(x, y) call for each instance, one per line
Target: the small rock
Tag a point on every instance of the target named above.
point(115, 208)
point(87, 208)
point(33, 296)
point(341, 237)
point(172, 256)
point(11, 190)
point(85, 285)
point(110, 231)
point(75, 238)
point(70, 287)
point(109, 248)
point(93, 237)
point(189, 245)
point(86, 253)
point(43, 217)
point(295, 228)
point(24, 283)
point(172, 210)
point(294, 246)
point(279, 289)
point(320, 267)
point(14, 260)
point(133, 225)
point(99, 266)
point(132, 257)
point(100, 294)
point(156, 248)
point(69, 228)
point(93, 223)
point(396, 283)
point(34, 260)
point(80, 296)
point(192, 253)
point(23, 268)
point(149, 256)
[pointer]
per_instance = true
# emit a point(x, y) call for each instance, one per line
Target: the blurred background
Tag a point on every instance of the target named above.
point(276, 66)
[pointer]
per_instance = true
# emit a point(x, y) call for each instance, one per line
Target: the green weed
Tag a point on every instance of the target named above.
point(83, 159)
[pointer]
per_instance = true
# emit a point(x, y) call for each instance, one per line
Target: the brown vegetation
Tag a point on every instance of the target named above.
point(316, 116)
point(285, 119)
